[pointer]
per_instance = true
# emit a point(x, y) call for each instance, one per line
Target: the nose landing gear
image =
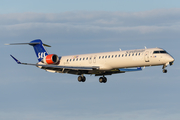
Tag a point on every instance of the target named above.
point(164, 66)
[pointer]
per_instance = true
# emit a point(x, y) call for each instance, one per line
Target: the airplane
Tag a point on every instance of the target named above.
point(98, 64)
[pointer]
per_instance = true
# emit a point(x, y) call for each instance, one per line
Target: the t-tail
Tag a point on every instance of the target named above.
point(38, 46)
point(39, 49)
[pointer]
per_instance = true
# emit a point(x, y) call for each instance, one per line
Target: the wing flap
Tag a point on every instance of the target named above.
point(67, 67)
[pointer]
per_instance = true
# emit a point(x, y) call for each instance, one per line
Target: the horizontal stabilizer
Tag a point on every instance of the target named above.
point(23, 43)
point(46, 45)
point(34, 43)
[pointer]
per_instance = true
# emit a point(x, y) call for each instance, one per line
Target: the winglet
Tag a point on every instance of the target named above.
point(18, 62)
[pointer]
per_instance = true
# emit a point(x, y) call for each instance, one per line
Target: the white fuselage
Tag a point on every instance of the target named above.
point(119, 59)
point(98, 64)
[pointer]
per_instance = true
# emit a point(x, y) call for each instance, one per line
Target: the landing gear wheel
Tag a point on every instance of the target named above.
point(105, 80)
point(102, 79)
point(81, 78)
point(164, 71)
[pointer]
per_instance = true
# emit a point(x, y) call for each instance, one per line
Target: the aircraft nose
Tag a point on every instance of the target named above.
point(171, 60)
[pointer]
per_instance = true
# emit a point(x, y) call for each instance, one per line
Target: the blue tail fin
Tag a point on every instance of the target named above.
point(39, 49)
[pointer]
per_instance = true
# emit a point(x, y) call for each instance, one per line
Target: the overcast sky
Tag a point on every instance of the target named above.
point(78, 27)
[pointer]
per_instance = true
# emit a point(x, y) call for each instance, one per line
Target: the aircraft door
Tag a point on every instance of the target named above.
point(94, 59)
point(90, 59)
point(146, 56)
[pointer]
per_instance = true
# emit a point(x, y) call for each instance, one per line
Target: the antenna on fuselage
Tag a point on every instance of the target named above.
point(120, 49)
point(145, 47)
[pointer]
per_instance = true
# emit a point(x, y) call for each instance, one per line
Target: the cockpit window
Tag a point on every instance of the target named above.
point(163, 52)
point(157, 52)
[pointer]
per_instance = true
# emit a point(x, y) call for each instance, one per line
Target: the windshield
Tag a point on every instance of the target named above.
point(158, 52)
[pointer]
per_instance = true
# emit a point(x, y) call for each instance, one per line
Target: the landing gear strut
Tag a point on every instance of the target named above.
point(81, 78)
point(103, 79)
point(164, 66)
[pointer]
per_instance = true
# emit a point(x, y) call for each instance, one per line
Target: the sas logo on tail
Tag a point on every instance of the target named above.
point(41, 55)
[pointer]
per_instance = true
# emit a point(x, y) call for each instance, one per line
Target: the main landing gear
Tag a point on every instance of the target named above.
point(103, 79)
point(82, 78)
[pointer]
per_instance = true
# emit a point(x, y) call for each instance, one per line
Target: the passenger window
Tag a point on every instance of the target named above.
point(139, 53)
point(115, 55)
point(122, 55)
point(106, 57)
point(77, 59)
point(73, 59)
point(99, 57)
point(112, 56)
point(80, 59)
point(129, 54)
point(102, 57)
point(133, 54)
point(67, 60)
point(83, 58)
point(109, 56)
point(136, 54)
point(126, 55)
point(87, 58)
point(119, 55)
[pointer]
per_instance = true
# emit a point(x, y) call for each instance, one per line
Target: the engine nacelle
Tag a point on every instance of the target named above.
point(51, 59)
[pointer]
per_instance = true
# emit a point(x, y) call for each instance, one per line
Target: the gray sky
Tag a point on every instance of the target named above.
point(30, 93)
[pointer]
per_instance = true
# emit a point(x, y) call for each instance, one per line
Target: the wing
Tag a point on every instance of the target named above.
point(63, 69)
point(78, 70)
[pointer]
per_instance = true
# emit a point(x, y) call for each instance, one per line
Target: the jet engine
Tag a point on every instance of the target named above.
point(51, 59)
